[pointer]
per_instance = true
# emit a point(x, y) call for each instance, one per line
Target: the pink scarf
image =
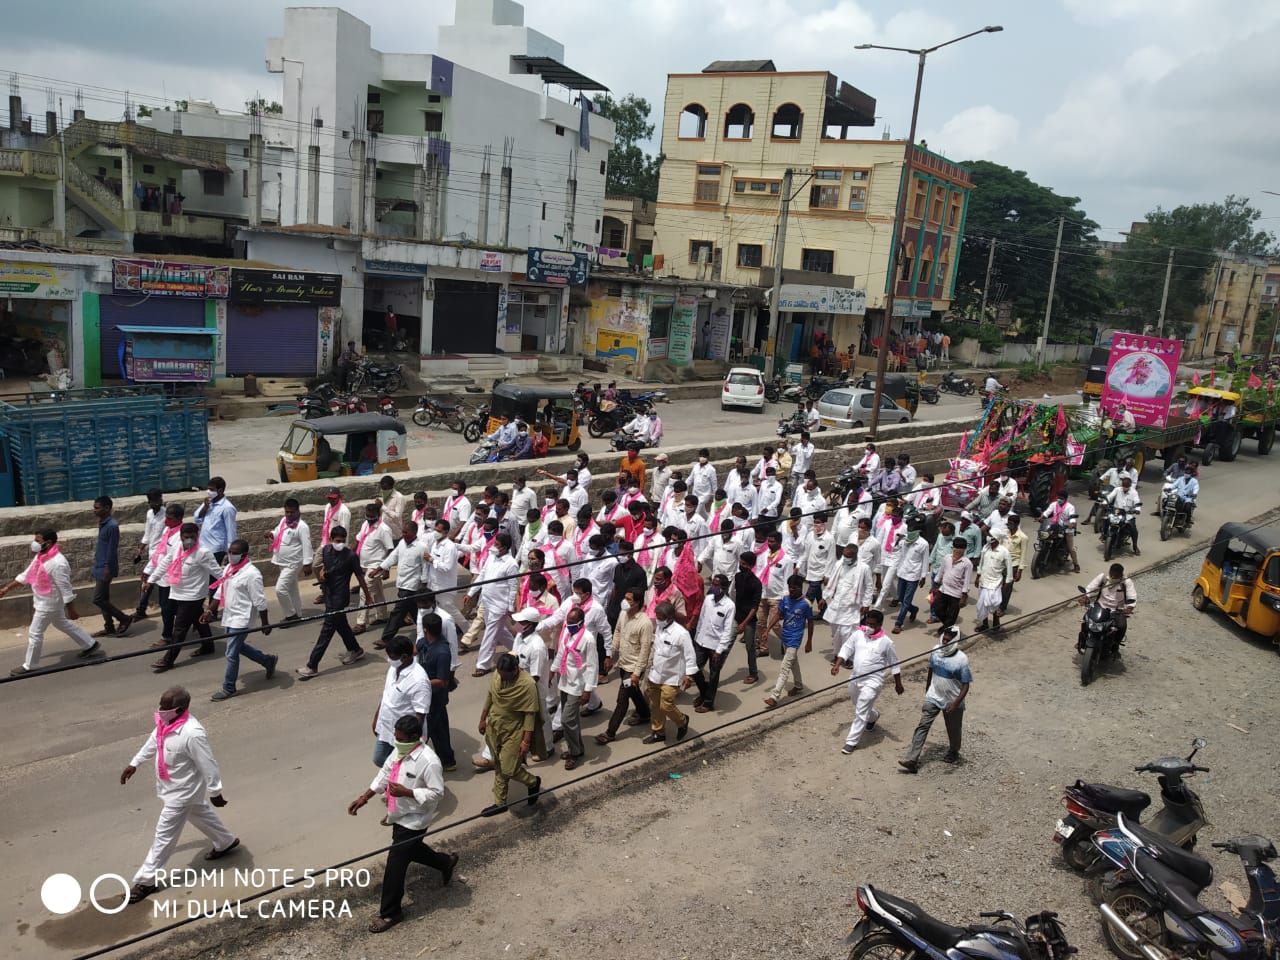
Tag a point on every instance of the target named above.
point(279, 538)
point(364, 535)
point(417, 517)
point(1058, 510)
point(330, 512)
point(175, 569)
point(567, 648)
point(391, 778)
point(483, 556)
point(227, 574)
point(642, 545)
point(447, 512)
point(715, 517)
point(37, 575)
point(769, 564)
point(659, 597)
point(162, 547)
point(581, 537)
point(162, 731)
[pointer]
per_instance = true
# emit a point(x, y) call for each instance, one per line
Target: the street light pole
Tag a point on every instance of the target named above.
point(899, 217)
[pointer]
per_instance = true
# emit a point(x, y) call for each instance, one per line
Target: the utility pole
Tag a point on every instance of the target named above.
point(991, 256)
point(1048, 307)
point(1164, 297)
point(779, 243)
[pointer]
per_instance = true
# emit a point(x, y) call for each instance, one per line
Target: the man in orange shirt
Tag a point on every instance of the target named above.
point(633, 465)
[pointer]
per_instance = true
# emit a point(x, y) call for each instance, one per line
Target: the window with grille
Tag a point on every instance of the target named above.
point(857, 198)
point(750, 255)
point(824, 197)
point(818, 261)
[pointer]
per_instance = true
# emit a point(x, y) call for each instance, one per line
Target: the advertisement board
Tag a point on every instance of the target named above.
point(286, 286)
point(617, 344)
point(35, 281)
point(680, 337)
point(557, 266)
point(1141, 374)
point(165, 278)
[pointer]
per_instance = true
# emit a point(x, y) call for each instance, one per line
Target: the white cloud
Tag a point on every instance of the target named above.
point(1148, 65)
point(976, 133)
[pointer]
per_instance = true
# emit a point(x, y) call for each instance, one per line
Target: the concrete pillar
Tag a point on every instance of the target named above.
point(77, 115)
point(127, 199)
point(504, 207)
point(50, 122)
point(483, 235)
point(430, 210)
point(357, 188)
point(15, 112)
point(255, 179)
point(313, 184)
point(60, 199)
point(426, 328)
point(370, 194)
point(419, 205)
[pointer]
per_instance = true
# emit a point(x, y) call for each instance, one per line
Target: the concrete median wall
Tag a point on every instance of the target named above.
point(259, 508)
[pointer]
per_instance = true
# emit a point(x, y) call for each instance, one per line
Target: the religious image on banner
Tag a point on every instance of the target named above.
point(1141, 373)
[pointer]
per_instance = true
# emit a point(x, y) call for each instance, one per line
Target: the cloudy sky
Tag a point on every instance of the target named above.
point(1124, 103)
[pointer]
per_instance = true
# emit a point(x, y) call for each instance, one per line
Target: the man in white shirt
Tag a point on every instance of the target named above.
point(869, 549)
point(770, 503)
point(713, 641)
point(412, 560)
point(1007, 487)
point(690, 520)
point(578, 670)
point(291, 552)
point(49, 576)
point(442, 577)
point(373, 544)
point(659, 477)
point(1063, 513)
point(993, 570)
point(598, 568)
point(869, 652)
point(736, 479)
point(848, 593)
point(801, 455)
point(428, 604)
point(239, 592)
point(185, 772)
point(913, 570)
point(457, 509)
point(152, 530)
point(869, 464)
point(907, 471)
point(405, 690)
point(187, 569)
point(817, 556)
point(719, 555)
point(808, 497)
point(394, 504)
point(530, 648)
point(1125, 498)
point(702, 479)
point(336, 514)
point(674, 665)
point(523, 499)
point(1113, 475)
point(495, 589)
point(812, 419)
point(412, 780)
point(768, 458)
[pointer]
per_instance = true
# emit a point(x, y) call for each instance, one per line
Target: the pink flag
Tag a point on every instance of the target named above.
point(1062, 420)
point(1195, 378)
point(1213, 375)
point(1254, 381)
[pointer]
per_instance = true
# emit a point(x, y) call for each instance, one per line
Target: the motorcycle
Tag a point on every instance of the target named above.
point(429, 411)
point(610, 420)
point(623, 439)
point(474, 428)
point(1175, 512)
point(923, 391)
point(486, 452)
point(1099, 638)
point(1099, 494)
point(817, 386)
point(1154, 912)
point(985, 396)
point(321, 402)
point(642, 402)
point(952, 382)
point(1051, 549)
point(773, 389)
point(371, 377)
point(1119, 532)
point(1092, 807)
point(387, 407)
point(892, 926)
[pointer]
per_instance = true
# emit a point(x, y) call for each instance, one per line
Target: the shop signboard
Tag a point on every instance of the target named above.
point(286, 286)
point(34, 281)
point(920, 309)
point(557, 266)
point(680, 339)
point(395, 268)
point(166, 278)
point(490, 261)
point(1141, 374)
point(815, 298)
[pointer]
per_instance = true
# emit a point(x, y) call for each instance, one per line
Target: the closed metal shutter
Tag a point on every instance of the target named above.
point(133, 311)
point(271, 340)
point(465, 317)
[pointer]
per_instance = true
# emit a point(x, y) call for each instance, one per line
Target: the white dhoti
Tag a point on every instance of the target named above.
point(840, 633)
point(863, 694)
point(989, 600)
point(169, 831)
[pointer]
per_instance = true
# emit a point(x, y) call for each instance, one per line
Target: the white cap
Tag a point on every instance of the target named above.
point(966, 515)
point(528, 615)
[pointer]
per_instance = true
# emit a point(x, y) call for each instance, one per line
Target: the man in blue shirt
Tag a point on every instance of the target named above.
point(1187, 487)
point(947, 686)
point(106, 567)
point(796, 616)
point(217, 520)
point(436, 659)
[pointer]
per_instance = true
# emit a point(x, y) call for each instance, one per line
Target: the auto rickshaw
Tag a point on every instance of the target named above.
point(1241, 577)
point(551, 411)
point(351, 445)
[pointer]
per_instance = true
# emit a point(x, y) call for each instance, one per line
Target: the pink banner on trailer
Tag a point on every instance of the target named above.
point(1141, 374)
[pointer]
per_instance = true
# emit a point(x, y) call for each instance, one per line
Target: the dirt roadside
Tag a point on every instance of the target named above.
point(754, 851)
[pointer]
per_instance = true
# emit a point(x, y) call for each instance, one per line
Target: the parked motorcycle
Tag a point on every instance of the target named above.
point(1155, 914)
point(429, 411)
point(1175, 512)
point(387, 407)
point(1092, 807)
point(952, 382)
point(773, 389)
point(322, 401)
point(474, 428)
point(1099, 638)
point(817, 386)
point(1052, 552)
point(642, 402)
point(924, 391)
point(1119, 532)
point(369, 377)
point(893, 927)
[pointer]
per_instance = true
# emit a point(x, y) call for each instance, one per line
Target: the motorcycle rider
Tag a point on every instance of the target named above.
point(991, 384)
point(637, 429)
point(1125, 498)
point(1063, 513)
point(1116, 593)
point(1177, 468)
point(1187, 488)
point(505, 435)
point(1127, 469)
point(870, 462)
point(521, 448)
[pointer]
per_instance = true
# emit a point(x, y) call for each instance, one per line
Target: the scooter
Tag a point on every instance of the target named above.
point(1099, 639)
point(952, 382)
point(1153, 912)
point(1092, 807)
point(891, 926)
point(320, 402)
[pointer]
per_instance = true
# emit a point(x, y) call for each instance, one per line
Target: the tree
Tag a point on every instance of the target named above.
point(261, 106)
point(1021, 216)
point(632, 171)
point(143, 110)
point(1198, 234)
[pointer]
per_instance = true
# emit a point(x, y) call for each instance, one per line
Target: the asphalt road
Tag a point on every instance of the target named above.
point(244, 451)
point(293, 755)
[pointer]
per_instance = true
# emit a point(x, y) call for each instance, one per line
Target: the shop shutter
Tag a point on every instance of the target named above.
point(465, 317)
point(271, 341)
point(139, 312)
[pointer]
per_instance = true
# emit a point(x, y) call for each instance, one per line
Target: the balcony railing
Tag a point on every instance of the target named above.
point(87, 133)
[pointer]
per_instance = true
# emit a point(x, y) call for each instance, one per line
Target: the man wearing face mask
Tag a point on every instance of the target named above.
point(239, 591)
point(411, 560)
point(947, 686)
point(336, 514)
point(848, 594)
point(216, 519)
point(529, 647)
point(495, 589)
point(702, 479)
point(373, 545)
point(674, 665)
point(578, 671)
point(627, 576)
point(338, 565)
point(437, 660)
point(49, 576)
point(869, 652)
point(427, 606)
point(633, 644)
point(187, 569)
point(633, 465)
point(769, 504)
point(457, 508)
point(185, 772)
point(509, 723)
point(913, 570)
point(442, 576)
point(406, 690)
point(995, 569)
point(714, 640)
point(413, 782)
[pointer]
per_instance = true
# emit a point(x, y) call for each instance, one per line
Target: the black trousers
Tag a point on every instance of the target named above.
point(186, 614)
point(438, 729)
point(708, 685)
point(111, 614)
point(335, 621)
point(408, 848)
point(947, 608)
point(403, 612)
point(627, 693)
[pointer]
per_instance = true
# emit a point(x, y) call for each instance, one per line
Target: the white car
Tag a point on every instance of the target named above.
point(743, 387)
point(851, 407)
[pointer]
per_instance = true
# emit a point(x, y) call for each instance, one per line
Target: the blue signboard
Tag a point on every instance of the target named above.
point(557, 266)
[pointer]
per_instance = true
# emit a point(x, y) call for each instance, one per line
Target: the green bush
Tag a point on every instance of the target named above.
point(990, 338)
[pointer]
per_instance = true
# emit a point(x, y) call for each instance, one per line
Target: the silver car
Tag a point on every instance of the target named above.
point(851, 407)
